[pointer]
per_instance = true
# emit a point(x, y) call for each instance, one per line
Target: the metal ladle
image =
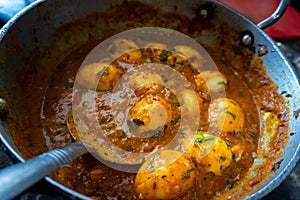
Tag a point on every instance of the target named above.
point(17, 178)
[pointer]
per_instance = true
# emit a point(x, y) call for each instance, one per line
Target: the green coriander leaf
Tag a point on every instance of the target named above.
point(164, 56)
point(177, 104)
point(174, 121)
point(222, 158)
point(199, 140)
point(107, 131)
point(186, 174)
point(231, 114)
point(103, 71)
point(150, 165)
point(123, 95)
point(230, 185)
point(164, 79)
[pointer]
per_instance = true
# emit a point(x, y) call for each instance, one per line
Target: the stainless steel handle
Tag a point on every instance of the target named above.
point(16, 178)
point(275, 15)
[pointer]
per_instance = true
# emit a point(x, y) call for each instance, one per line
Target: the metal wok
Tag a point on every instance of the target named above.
point(32, 34)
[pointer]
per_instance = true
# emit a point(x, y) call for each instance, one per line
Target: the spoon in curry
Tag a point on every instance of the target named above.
point(17, 178)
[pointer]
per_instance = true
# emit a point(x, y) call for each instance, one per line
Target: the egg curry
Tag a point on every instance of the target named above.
point(154, 95)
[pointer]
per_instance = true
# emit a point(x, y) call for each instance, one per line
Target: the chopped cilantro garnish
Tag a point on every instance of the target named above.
point(123, 95)
point(230, 185)
point(157, 134)
point(222, 158)
point(164, 79)
point(104, 70)
point(180, 63)
point(199, 132)
point(193, 59)
point(186, 174)
point(130, 147)
point(86, 178)
point(107, 131)
point(164, 56)
point(150, 164)
point(174, 121)
point(199, 140)
point(177, 104)
point(231, 114)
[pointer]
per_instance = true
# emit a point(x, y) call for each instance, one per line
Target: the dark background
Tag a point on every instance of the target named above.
point(288, 190)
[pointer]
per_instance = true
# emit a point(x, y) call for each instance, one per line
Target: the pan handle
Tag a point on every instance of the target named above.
point(283, 5)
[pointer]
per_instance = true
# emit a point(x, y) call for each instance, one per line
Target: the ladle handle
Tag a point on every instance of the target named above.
point(17, 178)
